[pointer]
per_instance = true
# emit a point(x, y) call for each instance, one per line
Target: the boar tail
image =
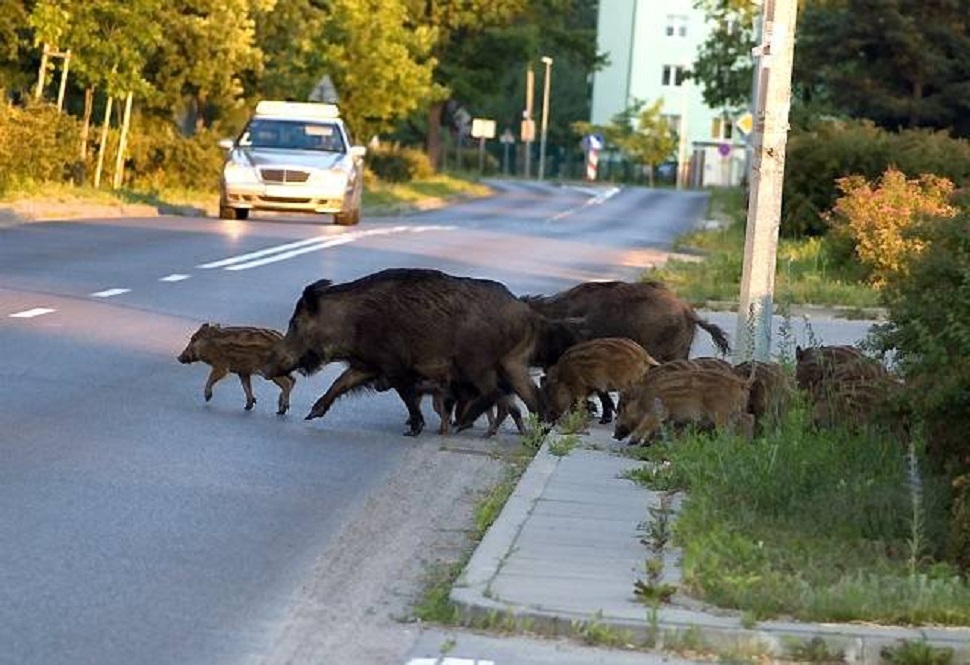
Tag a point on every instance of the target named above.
point(717, 334)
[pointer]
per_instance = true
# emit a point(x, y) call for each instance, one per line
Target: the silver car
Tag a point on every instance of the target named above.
point(293, 156)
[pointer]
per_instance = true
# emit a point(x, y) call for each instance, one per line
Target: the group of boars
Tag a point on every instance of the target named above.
point(474, 347)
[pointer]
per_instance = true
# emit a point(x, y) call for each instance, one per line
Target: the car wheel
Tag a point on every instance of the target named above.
point(242, 213)
point(227, 212)
point(349, 218)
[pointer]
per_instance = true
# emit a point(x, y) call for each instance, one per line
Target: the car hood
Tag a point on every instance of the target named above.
point(293, 159)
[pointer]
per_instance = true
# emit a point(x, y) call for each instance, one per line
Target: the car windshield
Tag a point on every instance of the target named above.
point(292, 135)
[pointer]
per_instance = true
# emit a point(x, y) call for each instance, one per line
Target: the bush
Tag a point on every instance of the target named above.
point(818, 156)
point(928, 331)
point(160, 156)
point(395, 163)
point(874, 219)
point(468, 161)
point(37, 144)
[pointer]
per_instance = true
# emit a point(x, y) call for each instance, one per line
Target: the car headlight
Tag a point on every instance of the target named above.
point(239, 170)
point(333, 177)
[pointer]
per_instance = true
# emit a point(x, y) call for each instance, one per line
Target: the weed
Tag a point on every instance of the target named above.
point(654, 590)
point(912, 652)
point(536, 432)
point(435, 605)
point(815, 650)
point(563, 445)
point(576, 420)
point(595, 633)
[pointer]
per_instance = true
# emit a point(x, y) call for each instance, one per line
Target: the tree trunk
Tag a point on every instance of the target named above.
point(200, 102)
point(914, 108)
point(434, 134)
point(119, 173)
point(104, 141)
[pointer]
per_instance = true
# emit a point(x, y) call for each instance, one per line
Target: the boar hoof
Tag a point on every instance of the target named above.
point(250, 404)
point(208, 395)
point(606, 420)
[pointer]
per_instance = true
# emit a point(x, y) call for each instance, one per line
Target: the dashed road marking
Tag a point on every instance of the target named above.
point(31, 313)
point(109, 293)
point(174, 277)
point(449, 660)
point(599, 199)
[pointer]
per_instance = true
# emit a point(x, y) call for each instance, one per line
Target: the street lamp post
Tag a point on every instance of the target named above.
point(547, 77)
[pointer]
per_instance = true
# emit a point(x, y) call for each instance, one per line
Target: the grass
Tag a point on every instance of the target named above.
point(805, 272)
point(818, 526)
point(378, 196)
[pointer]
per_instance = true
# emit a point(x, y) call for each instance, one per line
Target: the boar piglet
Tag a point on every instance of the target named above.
point(817, 366)
point(242, 350)
point(684, 397)
point(409, 324)
point(599, 365)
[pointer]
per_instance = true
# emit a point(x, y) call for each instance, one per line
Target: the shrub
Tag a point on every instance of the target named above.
point(468, 161)
point(874, 218)
point(37, 144)
point(928, 330)
point(160, 156)
point(395, 163)
point(828, 150)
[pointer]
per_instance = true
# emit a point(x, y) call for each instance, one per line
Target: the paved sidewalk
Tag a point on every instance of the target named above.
point(566, 551)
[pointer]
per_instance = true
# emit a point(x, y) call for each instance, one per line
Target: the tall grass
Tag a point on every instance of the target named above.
point(815, 525)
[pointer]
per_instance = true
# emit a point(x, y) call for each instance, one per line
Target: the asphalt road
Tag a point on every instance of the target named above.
point(140, 524)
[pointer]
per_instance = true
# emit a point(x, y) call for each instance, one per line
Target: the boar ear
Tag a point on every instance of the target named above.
point(799, 352)
point(310, 302)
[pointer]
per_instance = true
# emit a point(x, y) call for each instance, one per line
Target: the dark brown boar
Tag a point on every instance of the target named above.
point(599, 365)
point(817, 366)
point(408, 325)
point(647, 312)
point(684, 397)
point(242, 350)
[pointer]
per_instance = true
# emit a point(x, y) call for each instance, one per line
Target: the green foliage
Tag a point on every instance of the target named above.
point(828, 150)
point(37, 144)
point(929, 333)
point(916, 652)
point(639, 132)
point(724, 65)
point(394, 163)
point(468, 159)
point(812, 524)
point(161, 158)
point(901, 64)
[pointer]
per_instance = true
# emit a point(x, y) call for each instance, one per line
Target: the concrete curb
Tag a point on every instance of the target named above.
point(669, 627)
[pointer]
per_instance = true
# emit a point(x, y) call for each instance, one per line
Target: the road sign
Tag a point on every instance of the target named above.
point(724, 149)
point(744, 122)
point(483, 128)
point(507, 136)
point(528, 130)
point(593, 142)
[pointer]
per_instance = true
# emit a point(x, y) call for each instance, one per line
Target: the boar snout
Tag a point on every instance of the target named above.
point(620, 432)
point(186, 357)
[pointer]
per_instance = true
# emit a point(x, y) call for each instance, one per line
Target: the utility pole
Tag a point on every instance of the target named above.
point(776, 52)
point(528, 124)
point(547, 77)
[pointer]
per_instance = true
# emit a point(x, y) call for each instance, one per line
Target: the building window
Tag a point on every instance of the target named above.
point(673, 121)
point(722, 128)
point(673, 75)
point(676, 25)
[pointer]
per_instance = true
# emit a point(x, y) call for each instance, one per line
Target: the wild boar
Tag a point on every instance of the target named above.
point(410, 325)
point(862, 402)
point(599, 365)
point(242, 350)
point(647, 312)
point(772, 390)
point(817, 366)
point(685, 397)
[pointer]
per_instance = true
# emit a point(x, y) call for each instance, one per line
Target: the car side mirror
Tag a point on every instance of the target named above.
point(358, 151)
point(226, 144)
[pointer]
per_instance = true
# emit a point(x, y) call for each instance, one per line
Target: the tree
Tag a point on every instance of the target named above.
point(902, 63)
point(724, 65)
point(209, 51)
point(639, 132)
point(11, 40)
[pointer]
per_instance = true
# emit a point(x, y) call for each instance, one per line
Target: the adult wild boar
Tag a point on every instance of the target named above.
point(817, 367)
point(598, 365)
point(647, 312)
point(408, 325)
point(242, 350)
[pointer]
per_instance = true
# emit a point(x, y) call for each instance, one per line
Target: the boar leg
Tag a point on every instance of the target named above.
point(412, 402)
point(247, 385)
point(217, 374)
point(350, 378)
point(518, 378)
point(285, 382)
point(606, 402)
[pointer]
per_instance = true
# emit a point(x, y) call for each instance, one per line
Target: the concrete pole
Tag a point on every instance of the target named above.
point(753, 338)
point(546, 79)
point(119, 173)
point(42, 72)
point(682, 164)
point(529, 94)
point(63, 86)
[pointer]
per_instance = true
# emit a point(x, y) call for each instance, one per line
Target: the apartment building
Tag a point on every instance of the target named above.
point(650, 44)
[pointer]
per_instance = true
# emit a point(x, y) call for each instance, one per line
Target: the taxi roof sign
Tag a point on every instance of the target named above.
point(302, 110)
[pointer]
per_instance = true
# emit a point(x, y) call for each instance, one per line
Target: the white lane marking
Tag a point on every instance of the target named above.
point(109, 293)
point(174, 277)
point(31, 313)
point(449, 660)
point(599, 199)
point(289, 250)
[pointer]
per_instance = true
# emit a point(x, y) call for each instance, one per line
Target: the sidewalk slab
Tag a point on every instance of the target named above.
point(566, 552)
